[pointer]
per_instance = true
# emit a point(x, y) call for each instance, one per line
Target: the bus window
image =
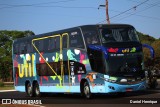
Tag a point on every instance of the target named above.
point(75, 40)
point(123, 35)
point(22, 48)
point(42, 69)
point(36, 43)
point(119, 35)
point(16, 49)
point(29, 48)
point(64, 43)
point(91, 37)
point(132, 33)
point(51, 44)
point(57, 43)
point(108, 36)
point(39, 45)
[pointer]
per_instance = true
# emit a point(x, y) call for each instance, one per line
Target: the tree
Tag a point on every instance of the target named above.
point(6, 38)
point(155, 43)
point(156, 46)
point(146, 38)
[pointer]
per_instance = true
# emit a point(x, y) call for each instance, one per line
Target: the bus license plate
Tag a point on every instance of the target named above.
point(129, 89)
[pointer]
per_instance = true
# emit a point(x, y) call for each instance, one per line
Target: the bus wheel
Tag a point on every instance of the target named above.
point(29, 90)
point(36, 90)
point(86, 90)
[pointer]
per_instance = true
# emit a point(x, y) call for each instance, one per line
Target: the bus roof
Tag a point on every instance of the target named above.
point(65, 30)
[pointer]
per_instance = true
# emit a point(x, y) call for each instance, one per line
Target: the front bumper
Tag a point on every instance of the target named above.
point(109, 87)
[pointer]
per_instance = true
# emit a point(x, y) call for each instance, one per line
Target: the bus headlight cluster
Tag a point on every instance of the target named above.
point(111, 79)
point(123, 80)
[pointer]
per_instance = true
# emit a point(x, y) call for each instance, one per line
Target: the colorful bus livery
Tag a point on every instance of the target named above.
point(86, 59)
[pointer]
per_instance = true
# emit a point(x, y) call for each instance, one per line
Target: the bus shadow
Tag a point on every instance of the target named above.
point(101, 96)
point(115, 98)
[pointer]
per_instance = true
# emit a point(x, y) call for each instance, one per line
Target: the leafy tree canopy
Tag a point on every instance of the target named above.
point(155, 43)
point(6, 38)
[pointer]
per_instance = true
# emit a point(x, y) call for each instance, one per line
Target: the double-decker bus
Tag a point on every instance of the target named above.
point(86, 59)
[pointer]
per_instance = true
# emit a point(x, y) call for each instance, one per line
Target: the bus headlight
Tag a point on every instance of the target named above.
point(111, 79)
point(123, 80)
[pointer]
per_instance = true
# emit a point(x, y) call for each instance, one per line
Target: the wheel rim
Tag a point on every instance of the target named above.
point(37, 91)
point(86, 91)
point(29, 90)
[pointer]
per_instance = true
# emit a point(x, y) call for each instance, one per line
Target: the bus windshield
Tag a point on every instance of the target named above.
point(125, 34)
point(126, 64)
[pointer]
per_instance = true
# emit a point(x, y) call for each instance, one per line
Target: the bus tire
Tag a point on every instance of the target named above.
point(36, 90)
point(86, 90)
point(29, 90)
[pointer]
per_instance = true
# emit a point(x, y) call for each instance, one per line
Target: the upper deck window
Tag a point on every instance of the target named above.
point(91, 36)
point(75, 39)
point(23, 48)
point(16, 49)
point(119, 34)
point(39, 45)
point(29, 48)
point(53, 44)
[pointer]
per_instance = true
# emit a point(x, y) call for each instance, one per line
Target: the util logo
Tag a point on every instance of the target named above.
point(26, 69)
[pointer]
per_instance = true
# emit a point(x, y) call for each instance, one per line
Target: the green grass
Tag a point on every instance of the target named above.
point(1, 84)
point(7, 88)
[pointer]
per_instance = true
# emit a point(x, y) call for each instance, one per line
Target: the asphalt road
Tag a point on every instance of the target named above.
point(149, 95)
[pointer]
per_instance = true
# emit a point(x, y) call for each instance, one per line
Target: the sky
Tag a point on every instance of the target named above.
point(42, 16)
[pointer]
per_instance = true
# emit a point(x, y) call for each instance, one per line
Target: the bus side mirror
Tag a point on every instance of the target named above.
point(150, 49)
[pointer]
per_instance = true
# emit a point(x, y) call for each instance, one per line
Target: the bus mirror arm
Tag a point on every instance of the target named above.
point(150, 49)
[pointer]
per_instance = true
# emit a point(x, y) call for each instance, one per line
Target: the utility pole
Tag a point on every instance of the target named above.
point(107, 14)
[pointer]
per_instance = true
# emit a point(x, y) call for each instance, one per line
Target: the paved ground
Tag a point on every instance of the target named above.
point(50, 100)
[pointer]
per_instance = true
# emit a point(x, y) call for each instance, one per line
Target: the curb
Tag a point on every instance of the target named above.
point(7, 90)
